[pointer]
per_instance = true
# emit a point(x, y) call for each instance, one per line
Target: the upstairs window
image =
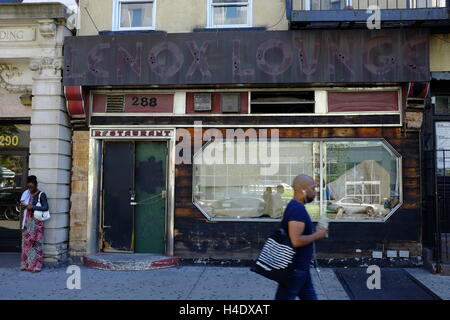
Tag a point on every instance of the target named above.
point(441, 104)
point(134, 15)
point(229, 13)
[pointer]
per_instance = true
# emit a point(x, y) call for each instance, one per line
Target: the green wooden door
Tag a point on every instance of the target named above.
point(150, 187)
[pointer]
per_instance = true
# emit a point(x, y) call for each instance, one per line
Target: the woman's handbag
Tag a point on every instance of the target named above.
point(41, 215)
point(276, 260)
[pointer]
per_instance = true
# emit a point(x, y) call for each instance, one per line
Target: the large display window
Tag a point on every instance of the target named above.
point(14, 144)
point(357, 180)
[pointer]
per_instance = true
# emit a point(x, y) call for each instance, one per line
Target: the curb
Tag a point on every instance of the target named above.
point(100, 263)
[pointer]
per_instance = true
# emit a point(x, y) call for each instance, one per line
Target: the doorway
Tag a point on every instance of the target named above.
point(134, 198)
point(13, 174)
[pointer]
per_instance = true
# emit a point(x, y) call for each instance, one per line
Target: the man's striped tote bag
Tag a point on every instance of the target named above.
point(276, 259)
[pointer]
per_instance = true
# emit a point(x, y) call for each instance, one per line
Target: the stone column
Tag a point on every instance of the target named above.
point(50, 151)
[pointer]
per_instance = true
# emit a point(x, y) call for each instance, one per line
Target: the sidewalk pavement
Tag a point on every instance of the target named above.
point(178, 283)
point(440, 285)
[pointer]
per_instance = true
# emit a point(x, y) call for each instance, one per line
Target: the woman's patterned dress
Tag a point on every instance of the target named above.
point(32, 257)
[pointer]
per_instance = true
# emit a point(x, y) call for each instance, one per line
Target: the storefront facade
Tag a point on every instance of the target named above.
point(436, 150)
point(187, 144)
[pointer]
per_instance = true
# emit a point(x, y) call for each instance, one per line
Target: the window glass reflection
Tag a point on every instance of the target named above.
point(357, 180)
point(361, 179)
point(136, 14)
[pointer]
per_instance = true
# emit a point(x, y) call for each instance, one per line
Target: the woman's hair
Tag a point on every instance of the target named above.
point(32, 179)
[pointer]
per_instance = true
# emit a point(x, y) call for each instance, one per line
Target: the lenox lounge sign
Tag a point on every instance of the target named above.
point(248, 57)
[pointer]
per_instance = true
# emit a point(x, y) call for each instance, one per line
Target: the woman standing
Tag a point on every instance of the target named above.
point(32, 257)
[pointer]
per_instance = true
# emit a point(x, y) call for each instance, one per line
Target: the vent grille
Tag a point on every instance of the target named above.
point(115, 103)
point(231, 102)
point(202, 102)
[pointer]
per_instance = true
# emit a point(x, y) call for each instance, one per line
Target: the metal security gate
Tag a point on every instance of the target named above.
point(443, 202)
point(437, 204)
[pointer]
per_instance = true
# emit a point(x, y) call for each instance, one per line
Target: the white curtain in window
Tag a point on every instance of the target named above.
point(230, 12)
point(136, 14)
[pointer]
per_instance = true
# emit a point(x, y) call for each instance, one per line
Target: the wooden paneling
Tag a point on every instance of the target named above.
point(363, 101)
point(197, 237)
point(254, 120)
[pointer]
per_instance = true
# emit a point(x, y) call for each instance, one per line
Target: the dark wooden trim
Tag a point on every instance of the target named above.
point(271, 121)
point(9, 121)
point(199, 238)
point(399, 15)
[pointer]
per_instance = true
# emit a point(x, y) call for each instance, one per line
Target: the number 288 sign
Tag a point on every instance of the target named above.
point(154, 103)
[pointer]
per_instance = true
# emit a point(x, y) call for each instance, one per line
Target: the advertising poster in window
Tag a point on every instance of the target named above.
point(443, 145)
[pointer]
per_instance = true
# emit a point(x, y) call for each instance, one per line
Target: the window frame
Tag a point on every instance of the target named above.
point(322, 141)
point(210, 15)
point(434, 103)
point(117, 14)
point(321, 107)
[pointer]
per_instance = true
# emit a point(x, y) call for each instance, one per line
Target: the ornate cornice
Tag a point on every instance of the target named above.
point(47, 66)
point(8, 72)
point(32, 11)
point(47, 28)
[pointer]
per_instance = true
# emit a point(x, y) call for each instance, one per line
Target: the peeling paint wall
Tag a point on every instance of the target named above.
point(79, 194)
point(196, 238)
point(440, 52)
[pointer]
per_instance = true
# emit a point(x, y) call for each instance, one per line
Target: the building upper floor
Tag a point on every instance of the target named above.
point(359, 13)
point(180, 16)
point(183, 16)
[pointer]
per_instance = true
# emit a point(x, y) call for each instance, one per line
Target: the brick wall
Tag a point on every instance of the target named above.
point(79, 195)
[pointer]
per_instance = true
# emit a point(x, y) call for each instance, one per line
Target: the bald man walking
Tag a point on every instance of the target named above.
point(297, 223)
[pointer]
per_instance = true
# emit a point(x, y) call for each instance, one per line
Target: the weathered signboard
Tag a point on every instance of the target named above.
point(256, 57)
point(17, 34)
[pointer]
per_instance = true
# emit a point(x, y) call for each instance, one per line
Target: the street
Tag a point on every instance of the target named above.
point(178, 283)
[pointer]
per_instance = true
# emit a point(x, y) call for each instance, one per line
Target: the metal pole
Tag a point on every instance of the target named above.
point(437, 216)
point(444, 206)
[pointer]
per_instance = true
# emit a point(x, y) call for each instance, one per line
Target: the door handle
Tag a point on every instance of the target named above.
point(132, 197)
point(164, 194)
